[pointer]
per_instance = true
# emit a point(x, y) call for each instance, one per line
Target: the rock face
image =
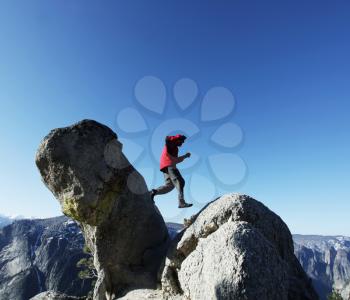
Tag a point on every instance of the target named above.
point(51, 295)
point(41, 254)
point(84, 167)
point(326, 259)
point(235, 248)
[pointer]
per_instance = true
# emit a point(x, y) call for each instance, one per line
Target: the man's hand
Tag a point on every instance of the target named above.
point(182, 157)
point(188, 154)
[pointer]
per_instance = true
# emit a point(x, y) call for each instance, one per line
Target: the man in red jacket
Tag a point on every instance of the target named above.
point(172, 176)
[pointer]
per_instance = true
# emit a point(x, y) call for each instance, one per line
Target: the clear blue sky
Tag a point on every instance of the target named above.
point(286, 62)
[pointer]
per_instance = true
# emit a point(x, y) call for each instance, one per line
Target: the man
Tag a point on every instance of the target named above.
point(168, 161)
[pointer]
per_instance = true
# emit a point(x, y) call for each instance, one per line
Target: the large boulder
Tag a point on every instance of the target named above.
point(84, 167)
point(235, 248)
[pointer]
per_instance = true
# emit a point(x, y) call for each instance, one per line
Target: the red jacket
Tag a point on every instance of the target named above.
point(170, 152)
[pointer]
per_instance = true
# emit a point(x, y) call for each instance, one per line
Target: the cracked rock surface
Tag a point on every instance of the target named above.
point(235, 248)
point(84, 167)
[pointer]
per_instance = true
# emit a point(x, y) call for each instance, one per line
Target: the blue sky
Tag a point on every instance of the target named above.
point(285, 62)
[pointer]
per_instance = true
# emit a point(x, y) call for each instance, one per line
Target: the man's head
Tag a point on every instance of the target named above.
point(177, 140)
point(180, 140)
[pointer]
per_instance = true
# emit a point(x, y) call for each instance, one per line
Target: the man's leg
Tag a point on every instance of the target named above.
point(166, 188)
point(179, 182)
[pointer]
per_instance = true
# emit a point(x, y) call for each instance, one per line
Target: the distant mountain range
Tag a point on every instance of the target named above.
point(5, 220)
point(41, 254)
point(326, 259)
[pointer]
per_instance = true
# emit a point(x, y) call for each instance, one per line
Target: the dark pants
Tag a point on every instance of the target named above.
point(172, 178)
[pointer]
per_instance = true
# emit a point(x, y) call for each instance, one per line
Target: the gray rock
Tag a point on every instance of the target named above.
point(143, 294)
point(51, 295)
point(84, 167)
point(235, 248)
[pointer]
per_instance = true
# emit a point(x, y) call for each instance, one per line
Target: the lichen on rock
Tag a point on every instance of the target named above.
point(70, 208)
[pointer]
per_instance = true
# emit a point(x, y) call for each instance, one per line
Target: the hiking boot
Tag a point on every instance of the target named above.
point(152, 194)
point(184, 205)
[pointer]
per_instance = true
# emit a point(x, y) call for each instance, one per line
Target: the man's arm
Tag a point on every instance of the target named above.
point(169, 141)
point(180, 158)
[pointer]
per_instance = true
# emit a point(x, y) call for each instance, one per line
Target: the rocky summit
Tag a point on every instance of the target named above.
point(234, 248)
point(84, 167)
